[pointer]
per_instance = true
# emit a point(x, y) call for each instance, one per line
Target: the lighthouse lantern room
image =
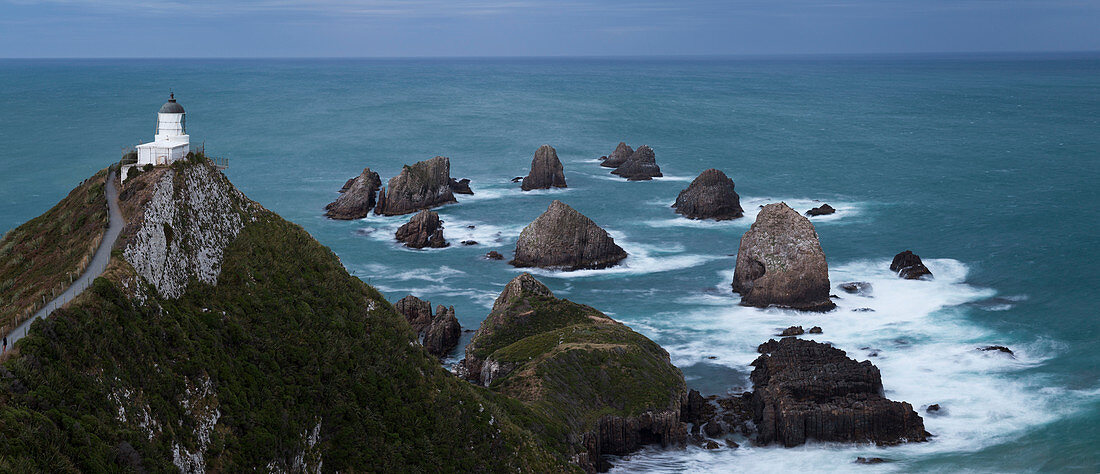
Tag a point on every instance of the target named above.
point(171, 142)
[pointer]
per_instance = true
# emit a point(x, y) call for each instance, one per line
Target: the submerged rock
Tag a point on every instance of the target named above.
point(611, 389)
point(562, 238)
point(546, 170)
point(424, 185)
point(815, 330)
point(909, 266)
point(863, 460)
point(861, 288)
point(822, 210)
point(1001, 349)
point(780, 263)
point(617, 157)
point(641, 165)
point(805, 389)
point(709, 196)
point(358, 197)
point(423, 230)
point(443, 333)
point(461, 186)
point(494, 255)
point(793, 331)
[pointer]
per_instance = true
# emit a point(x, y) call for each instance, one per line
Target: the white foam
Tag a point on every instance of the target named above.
point(751, 205)
point(918, 336)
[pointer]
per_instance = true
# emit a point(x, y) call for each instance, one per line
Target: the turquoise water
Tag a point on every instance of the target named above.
point(985, 166)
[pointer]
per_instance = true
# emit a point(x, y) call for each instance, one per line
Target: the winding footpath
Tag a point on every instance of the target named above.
point(94, 269)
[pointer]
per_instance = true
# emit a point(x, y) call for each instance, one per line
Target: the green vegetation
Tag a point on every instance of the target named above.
point(287, 340)
point(41, 256)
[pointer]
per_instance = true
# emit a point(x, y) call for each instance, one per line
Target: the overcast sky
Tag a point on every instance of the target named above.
point(377, 28)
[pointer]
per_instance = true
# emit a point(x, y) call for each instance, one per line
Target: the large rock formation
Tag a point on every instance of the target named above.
point(461, 186)
point(780, 263)
point(641, 165)
point(424, 185)
point(562, 238)
point(617, 157)
point(440, 332)
point(357, 198)
point(546, 170)
point(423, 230)
point(710, 196)
point(909, 266)
point(807, 390)
point(612, 389)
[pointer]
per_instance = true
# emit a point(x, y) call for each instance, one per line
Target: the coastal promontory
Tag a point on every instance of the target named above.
point(562, 238)
point(709, 196)
point(780, 263)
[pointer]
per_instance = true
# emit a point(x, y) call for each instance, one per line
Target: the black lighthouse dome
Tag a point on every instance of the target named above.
point(171, 107)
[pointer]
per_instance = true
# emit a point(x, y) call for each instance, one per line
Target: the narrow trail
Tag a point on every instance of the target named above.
point(94, 269)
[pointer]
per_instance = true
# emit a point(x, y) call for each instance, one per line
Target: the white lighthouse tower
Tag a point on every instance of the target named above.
point(171, 142)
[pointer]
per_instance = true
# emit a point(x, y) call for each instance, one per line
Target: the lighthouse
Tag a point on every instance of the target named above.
point(171, 142)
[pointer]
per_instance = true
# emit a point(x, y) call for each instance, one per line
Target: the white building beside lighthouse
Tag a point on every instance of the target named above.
point(171, 142)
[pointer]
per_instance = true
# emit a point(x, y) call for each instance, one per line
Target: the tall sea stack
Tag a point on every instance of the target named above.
point(424, 185)
point(546, 170)
point(780, 263)
point(710, 196)
point(562, 238)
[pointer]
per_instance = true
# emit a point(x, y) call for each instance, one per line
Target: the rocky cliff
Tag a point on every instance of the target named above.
point(546, 170)
point(424, 185)
point(709, 196)
point(780, 263)
point(562, 238)
point(614, 389)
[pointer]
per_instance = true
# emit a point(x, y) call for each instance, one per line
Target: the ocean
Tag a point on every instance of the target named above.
point(984, 165)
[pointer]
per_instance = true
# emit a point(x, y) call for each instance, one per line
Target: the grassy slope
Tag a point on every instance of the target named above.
point(39, 256)
point(288, 339)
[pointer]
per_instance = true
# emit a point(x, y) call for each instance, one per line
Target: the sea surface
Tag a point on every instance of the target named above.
point(988, 167)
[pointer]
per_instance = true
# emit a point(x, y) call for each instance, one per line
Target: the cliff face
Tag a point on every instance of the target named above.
point(612, 388)
point(226, 339)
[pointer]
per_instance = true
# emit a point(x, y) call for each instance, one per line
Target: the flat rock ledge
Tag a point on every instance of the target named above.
point(423, 230)
point(709, 196)
point(808, 390)
point(780, 263)
point(546, 171)
point(424, 185)
point(357, 198)
point(564, 239)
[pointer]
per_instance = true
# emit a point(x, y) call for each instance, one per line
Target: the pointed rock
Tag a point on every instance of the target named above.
point(443, 333)
point(357, 198)
point(710, 196)
point(423, 230)
point(909, 266)
point(546, 170)
point(617, 157)
point(642, 165)
point(424, 185)
point(780, 263)
point(562, 238)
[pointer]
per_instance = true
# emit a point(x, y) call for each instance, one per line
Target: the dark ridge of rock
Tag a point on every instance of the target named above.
point(822, 210)
point(709, 196)
point(494, 255)
point(617, 157)
point(793, 331)
point(909, 266)
point(562, 238)
point(423, 230)
point(861, 288)
point(611, 389)
point(469, 242)
point(416, 311)
point(863, 460)
point(998, 349)
point(732, 444)
point(780, 263)
point(443, 333)
point(641, 165)
point(815, 330)
point(424, 185)
point(863, 310)
point(546, 170)
point(804, 389)
point(461, 186)
point(357, 197)
point(517, 179)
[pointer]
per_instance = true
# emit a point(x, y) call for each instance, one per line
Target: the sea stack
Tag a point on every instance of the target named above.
point(357, 198)
point(804, 389)
point(909, 266)
point(546, 170)
point(461, 186)
point(440, 332)
point(562, 238)
point(822, 210)
point(642, 165)
point(780, 263)
point(710, 196)
point(617, 157)
point(424, 185)
point(423, 230)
